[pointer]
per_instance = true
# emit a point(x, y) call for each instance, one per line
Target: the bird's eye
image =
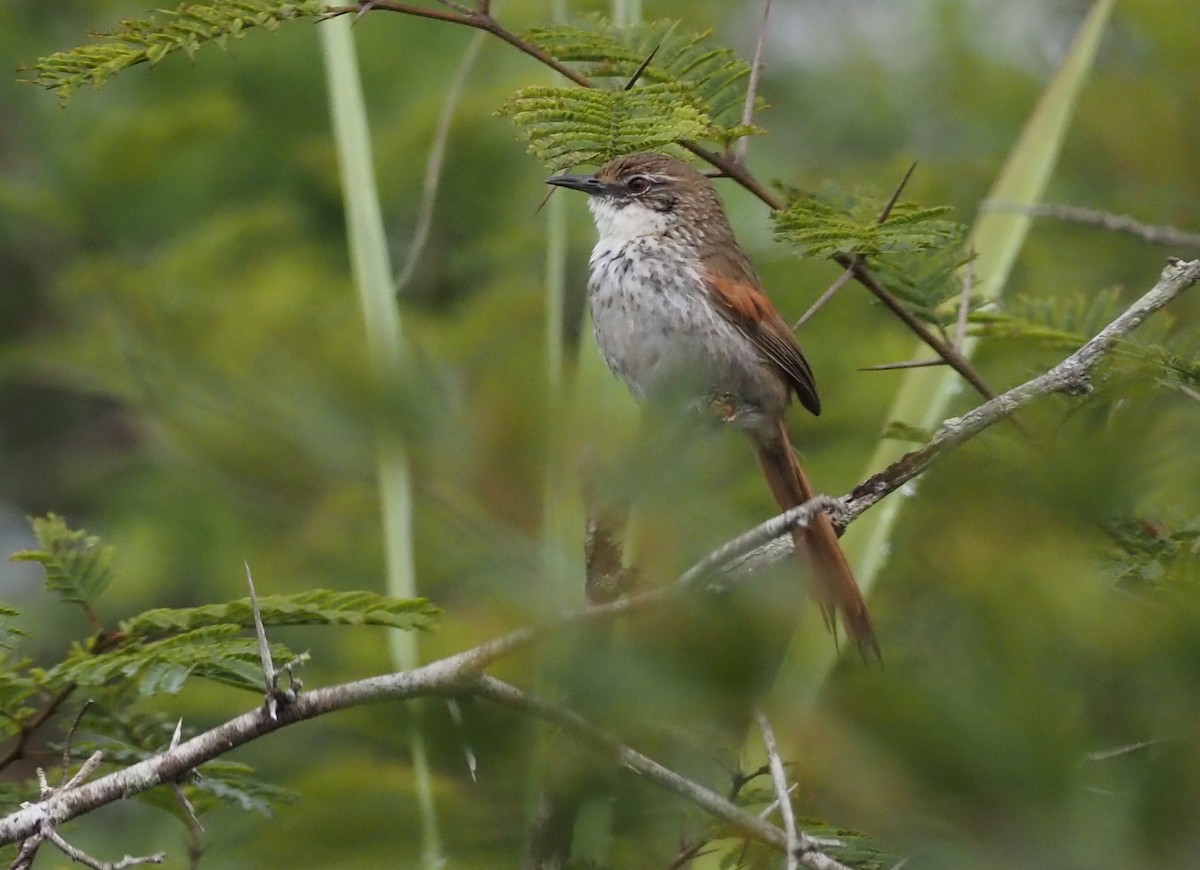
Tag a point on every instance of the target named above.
point(639, 184)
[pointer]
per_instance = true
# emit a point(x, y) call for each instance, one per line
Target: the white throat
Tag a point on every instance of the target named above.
point(619, 225)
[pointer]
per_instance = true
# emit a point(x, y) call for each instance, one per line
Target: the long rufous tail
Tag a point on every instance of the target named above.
point(831, 581)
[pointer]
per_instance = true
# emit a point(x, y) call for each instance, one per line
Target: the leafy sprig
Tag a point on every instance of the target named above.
point(167, 31)
point(656, 86)
point(836, 222)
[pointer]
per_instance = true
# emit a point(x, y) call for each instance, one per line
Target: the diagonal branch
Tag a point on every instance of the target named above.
point(1117, 223)
point(779, 779)
point(805, 850)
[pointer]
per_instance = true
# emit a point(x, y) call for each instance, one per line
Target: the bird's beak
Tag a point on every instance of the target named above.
point(589, 184)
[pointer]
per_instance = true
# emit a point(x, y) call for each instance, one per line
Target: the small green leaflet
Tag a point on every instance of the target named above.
point(78, 566)
point(312, 607)
point(835, 222)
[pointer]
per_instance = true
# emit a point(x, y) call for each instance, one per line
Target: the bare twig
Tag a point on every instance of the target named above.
point(779, 778)
point(66, 753)
point(841, 281)
point(964, 304)
point(907, 364)
point(81, 857)
point(44, 828)
point(960, 328)
point(743, 144)
point(1117, 223)
point(632, 760)
point(433, 163)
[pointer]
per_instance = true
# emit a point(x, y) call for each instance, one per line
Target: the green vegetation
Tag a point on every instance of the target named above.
point(184, 373)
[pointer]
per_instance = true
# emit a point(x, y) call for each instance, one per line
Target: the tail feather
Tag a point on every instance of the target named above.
point(831, 581)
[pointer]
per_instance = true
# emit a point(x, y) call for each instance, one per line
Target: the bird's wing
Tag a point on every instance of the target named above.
point(743, 303)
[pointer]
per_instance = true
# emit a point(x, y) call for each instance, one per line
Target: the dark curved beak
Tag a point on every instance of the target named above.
point(589, 184)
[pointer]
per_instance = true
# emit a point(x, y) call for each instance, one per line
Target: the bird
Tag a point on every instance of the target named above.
point(679, 312)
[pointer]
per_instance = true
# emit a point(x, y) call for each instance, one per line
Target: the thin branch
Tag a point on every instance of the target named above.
point(960, 327)
point(907, 364)
point(779, 778)
point(964, 305)
point(746, 823)
point(81, 857)
point(1117, 223)
point(743, 144)
point(27, 729)
point(433, 163)
point(842, 280)
point(66, 753)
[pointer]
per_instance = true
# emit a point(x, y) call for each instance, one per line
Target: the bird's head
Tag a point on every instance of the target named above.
point(647, 194)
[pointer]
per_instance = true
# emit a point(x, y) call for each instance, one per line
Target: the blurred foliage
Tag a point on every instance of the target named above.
point(182, 370)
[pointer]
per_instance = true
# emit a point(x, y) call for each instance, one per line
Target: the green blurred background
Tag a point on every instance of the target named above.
point(182, 371)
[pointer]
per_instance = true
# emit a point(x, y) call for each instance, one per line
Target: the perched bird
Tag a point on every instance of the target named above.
point(679, 311)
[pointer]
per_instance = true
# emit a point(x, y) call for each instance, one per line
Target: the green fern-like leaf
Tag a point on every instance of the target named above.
point(165, 32)
point(231, 783)
point(219, 652)
point(127, 734)
point(835, 222)
point(569, 126)
point(1062, 322)
point(715, 76)
point(16, 689)
point(10, 634)
point(312, 607)
point(929, 282)
point(78, 567)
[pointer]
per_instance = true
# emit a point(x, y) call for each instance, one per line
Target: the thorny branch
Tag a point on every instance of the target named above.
point(728, 165)
point(461, 674)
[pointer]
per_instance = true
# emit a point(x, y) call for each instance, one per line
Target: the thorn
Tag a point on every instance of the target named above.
point(364, 7)
point(743, 144)
point(264, 649)
point(468, 752)
point(891, 203)
point(837, 285)
point(637, 73)
point(550, 193)
point(911, 364)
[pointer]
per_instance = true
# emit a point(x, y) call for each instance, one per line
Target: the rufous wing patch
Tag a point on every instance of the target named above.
point(751, 311)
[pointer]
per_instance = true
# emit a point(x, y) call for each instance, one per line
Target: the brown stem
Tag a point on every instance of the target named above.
point(28, 729)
